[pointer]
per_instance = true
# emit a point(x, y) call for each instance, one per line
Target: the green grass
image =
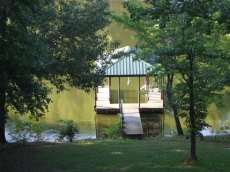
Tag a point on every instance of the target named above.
point(156, 154)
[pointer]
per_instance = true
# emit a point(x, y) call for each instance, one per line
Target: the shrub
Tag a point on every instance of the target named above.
point(24, 131)
point(114, 131)
point(68, 129)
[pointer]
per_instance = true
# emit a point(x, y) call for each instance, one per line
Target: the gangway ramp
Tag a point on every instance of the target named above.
point(131, 120)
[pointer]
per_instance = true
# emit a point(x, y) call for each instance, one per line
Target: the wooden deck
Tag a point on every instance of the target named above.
point(103, 105)
point(132, 125)
point(132, 122)
point(106, 107)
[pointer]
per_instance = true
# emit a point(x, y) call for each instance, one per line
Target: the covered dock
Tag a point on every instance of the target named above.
point(127, 66)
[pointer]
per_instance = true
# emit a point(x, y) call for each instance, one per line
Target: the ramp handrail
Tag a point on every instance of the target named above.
point(121, 107)
point(121, 112)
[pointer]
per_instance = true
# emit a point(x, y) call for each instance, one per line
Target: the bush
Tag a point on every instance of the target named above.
point(68, 129)
point(114, 131)
point(24, 131)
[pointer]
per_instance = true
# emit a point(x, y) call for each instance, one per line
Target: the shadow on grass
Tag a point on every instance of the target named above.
point(161, 154)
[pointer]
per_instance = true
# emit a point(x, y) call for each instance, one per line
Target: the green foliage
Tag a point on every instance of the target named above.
point(168, 132)
point(188, 39)
point(49, 43)
point(24, 131)
point(114, 131)
point(68, 129)
point(226, 127)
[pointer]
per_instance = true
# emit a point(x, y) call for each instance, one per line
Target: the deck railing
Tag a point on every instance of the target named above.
point(121, 107)
point(121, 113)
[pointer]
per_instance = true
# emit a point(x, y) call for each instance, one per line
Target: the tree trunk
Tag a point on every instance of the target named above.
point(2, 115)
point(193, 144)
point(3, 77)
point(177, 122)
point(191, 110)
point(192, 126)
point(173, 106)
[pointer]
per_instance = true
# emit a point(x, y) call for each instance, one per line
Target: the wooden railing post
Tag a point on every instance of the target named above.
point(121, 107)
point(121, 112)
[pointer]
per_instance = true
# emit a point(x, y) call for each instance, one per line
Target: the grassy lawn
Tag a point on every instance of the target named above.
point(156, 154)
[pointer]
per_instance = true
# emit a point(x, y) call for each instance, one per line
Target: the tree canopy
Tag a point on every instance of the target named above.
point(190, 41)
point(48, 43)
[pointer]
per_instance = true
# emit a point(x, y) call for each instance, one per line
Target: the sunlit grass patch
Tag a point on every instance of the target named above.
point(85, 143)
point(180, 150)
point(116, 153)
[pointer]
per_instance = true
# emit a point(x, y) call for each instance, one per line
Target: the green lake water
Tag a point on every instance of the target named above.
point(78, 105)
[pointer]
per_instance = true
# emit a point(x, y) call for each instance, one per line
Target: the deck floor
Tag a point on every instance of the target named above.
point(129, 105)
point(132, 121)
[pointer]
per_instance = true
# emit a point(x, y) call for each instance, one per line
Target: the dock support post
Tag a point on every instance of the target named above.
point(95, 97)
point(119, 97)
point(109, 89)
point(147, 87)
point(139, 101)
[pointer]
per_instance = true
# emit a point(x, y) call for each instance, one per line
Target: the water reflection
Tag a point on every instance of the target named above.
point(153, 124)
point(103, 121)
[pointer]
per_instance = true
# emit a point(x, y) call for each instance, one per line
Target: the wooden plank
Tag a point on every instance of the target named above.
point(132, 121)
point(105, 106)
point(130, 105)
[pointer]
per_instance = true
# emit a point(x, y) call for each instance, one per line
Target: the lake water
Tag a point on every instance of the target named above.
point(78, 105)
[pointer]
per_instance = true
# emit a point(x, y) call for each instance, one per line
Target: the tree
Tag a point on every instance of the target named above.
point(188, 38)
point(48, 43)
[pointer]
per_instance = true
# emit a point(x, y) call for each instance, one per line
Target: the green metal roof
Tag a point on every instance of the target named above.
point(127, 66)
